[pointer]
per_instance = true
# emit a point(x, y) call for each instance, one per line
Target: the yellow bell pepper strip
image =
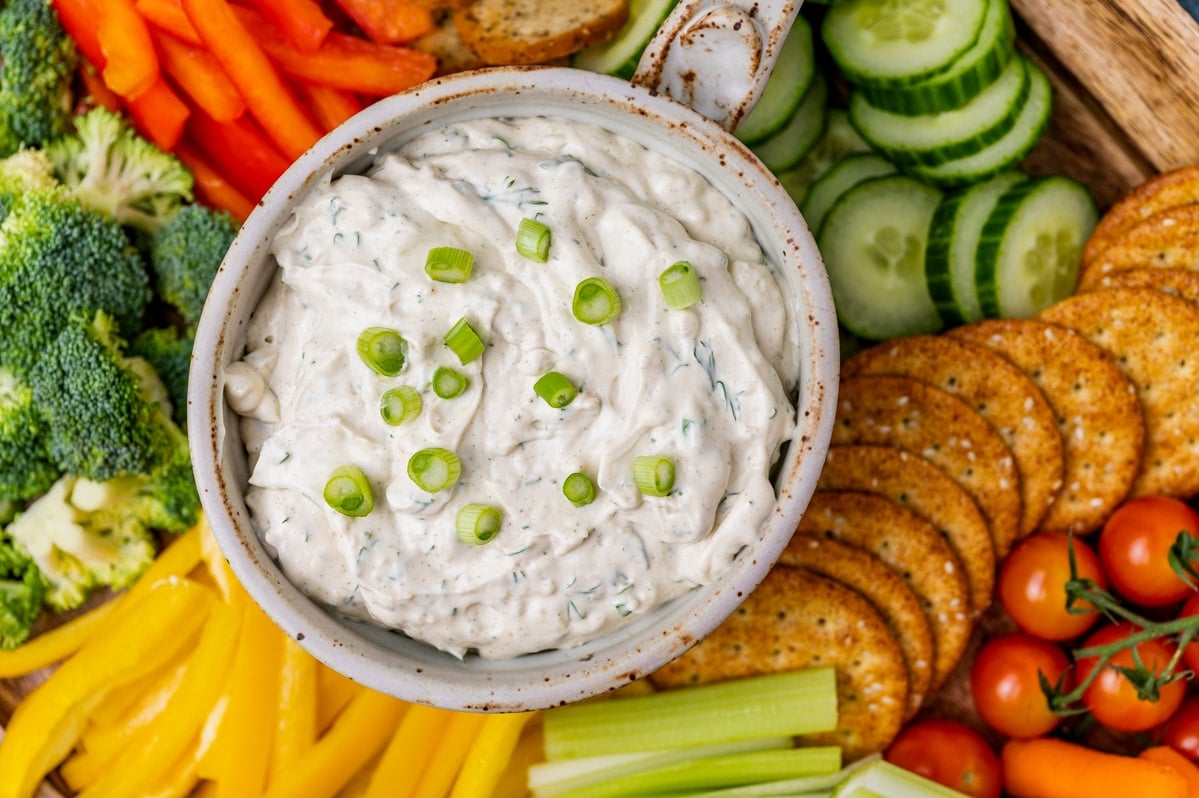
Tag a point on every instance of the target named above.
point(334, 692)
point(238, 757)
point(141, 765)
point(218, 567)
point(180, 780)
point(295, 728)
point(451, 752)
point(408, 752)
point(360, 732)
point(53, 646)
point(46, 725)
point(490, 755)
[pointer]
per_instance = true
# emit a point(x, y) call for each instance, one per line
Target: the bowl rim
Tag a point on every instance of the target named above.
point(534, 681)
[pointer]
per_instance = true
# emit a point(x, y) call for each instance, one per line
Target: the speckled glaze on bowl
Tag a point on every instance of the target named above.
point(391, 662)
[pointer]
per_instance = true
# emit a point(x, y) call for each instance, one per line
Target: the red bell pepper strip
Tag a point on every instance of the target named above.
point(238, 150)
point(212, 188)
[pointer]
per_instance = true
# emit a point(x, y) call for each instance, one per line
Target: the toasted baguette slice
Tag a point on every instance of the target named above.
point(535, 31)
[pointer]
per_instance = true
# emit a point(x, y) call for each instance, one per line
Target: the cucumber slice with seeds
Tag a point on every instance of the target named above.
point(949, 263)
point(844, 175)
point(933, 139)
point(873, 242)
point(620, 54)
point(900, 42)
point(785, 89)
point(838, 140)
point(965, 79)
point(1031, 245)
point(787, 147)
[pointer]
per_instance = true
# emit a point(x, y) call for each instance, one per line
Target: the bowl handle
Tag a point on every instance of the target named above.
point(715, 55)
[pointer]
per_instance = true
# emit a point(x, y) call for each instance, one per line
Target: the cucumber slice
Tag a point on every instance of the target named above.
point(873, 241)
point(787, 147)
point(838, 140)
point(1031, 245)
point(785, 89)
point(972, 72)
point(900, 42)
point(949, 263)
point(1008, 151)
point(932, 139)
point(844, 175)
point(620, 54)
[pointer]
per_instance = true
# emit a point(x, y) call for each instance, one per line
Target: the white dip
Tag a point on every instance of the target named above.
point(707, 386)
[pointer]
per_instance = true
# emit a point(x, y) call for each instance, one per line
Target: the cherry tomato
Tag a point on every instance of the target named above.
point(1190, 654)
point(1182, 729)
point(1134, 548)
point(949, 753)
point(1032, 586)
point(1006, 685)
point(1112, 699)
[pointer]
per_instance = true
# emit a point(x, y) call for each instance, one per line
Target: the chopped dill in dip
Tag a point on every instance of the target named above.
point(703, 390)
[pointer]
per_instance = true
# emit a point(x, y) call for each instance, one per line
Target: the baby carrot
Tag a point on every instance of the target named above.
point(159, 114)
point(389, 21)
point(239, 151)
point(302, 21)
point(168, 16)
point(212, 188)
point(331, 107)
point(1165, 755)
point(97, 92)
point(200, 77)
point(1049, 768)
point(131, 65)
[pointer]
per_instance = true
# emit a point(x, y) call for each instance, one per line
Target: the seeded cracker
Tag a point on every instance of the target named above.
point(1097, 413)
point(1179, 282)
point(1167, 190)
point(885, 589)
point(930, 423)
point(536, 31)
point(796, 619)
point(997, 390)
point(919, 485)
point(1151, 336)
point(1168, 239)
point(914, 549)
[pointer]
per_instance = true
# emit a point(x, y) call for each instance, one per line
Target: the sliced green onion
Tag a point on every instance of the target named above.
point(449, 264)
point(464, 341)
point(434, 469)
point(595, 301)
point(384, 350)
point(348, 491)
point(680, 286)
point(478, 523)
point(448, 383)
point(555, 389)
point(533, 240)
point(579, 489)
point(400, 404)
point(654, 475)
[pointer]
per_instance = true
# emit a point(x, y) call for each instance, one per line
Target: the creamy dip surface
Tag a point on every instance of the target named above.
point(707, 387)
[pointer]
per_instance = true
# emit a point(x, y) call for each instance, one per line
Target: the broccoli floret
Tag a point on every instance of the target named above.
point(35, 84)
point(106, 414)
point(58, 258)
point(112, 169)
point(169, 352)
point(24, 171)
point(26, 467)
point(21, 593)
point(80, 548)
point(185, 257)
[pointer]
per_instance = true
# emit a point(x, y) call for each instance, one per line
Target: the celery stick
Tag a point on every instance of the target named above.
point(550, 779)
point(788, 703)
point(728, 770)
point(881, 779)
point(803, 787)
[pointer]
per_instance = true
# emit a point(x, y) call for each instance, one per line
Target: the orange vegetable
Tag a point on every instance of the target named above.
point(1049, 768)
point(130, 63)
point(98, 94)
point(212, 188)
point(238, 150)
point(389, 21)
point(344, 62)
point(200, 77)
point(168, 16)
point(302, 21)
point(331, 107)
point(267, 97)
point(159, 114)
point(78, 18)
point(1165, 755)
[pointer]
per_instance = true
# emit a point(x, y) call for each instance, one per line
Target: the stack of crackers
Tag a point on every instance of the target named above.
point(947, 450)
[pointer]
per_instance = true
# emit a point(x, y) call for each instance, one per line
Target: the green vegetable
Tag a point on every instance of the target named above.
point(880, 778)
point(25, 171)
point(36, 102)
point(533, 240)
point(115, 171)
point(579, 489)
point(680, 286)
point(449, 264)
point(595, 301)
point(434, 469)
point(348, 491)
point(464, 342)
point(169, 353)
point(555, 389)
point(448, 383)
point(382, 349)
point(26, 467)
point(477, 524)
point(653, 475)
point(400, 404)
point(185, 255)
point(21, 593)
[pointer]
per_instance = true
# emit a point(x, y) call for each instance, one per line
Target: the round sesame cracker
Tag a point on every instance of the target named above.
point(1166, 190)
point(1169, 239)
